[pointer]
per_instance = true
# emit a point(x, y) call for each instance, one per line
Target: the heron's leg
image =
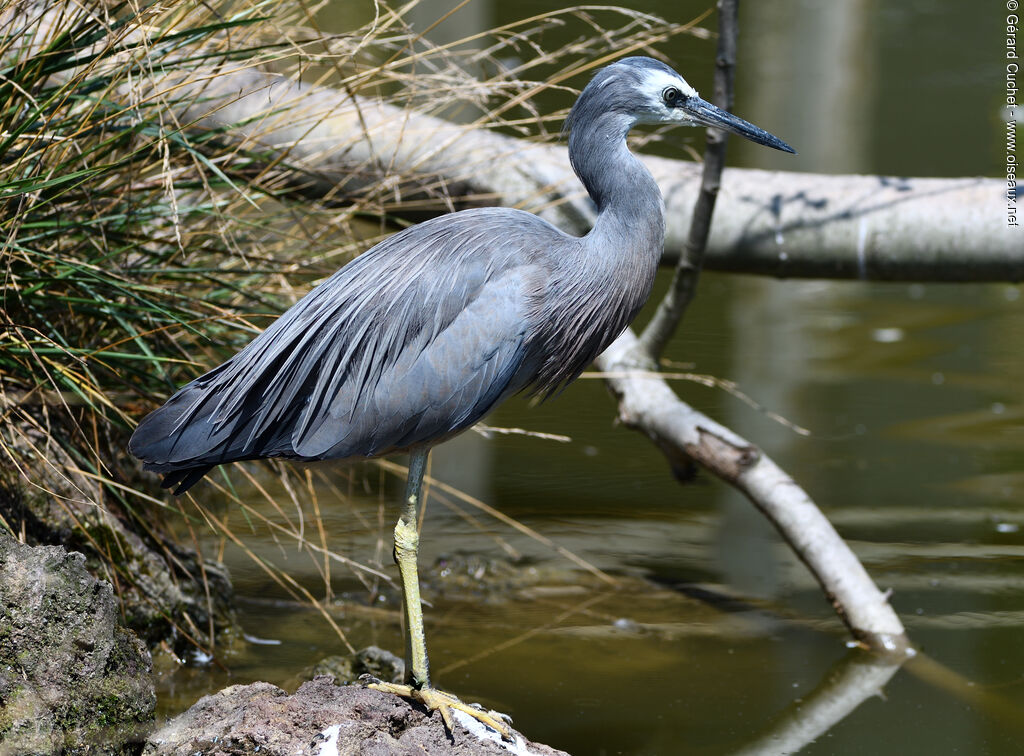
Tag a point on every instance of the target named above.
point(417, 670)
point(407, 541)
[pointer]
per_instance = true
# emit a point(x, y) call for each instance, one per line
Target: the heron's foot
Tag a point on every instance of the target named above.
point(446, 703)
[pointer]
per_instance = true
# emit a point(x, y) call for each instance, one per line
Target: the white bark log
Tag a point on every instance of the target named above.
point(773, 223)
point(340, 146)
point(780, 224)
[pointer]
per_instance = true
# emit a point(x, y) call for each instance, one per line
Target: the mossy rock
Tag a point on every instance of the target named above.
point(72, 679)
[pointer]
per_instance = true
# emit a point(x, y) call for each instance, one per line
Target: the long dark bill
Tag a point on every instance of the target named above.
point(711, 115)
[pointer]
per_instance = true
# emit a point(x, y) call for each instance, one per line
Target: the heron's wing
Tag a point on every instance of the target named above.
point(411, 342)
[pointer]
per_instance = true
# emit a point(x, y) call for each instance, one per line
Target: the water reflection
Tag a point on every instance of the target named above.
point(847, 685)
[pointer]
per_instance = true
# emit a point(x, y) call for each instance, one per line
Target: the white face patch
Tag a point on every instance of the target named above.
point(654, 83)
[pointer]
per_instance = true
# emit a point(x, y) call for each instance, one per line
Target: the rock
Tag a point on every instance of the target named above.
point(379, 663)
point(347, 669)
point(72, 679)
point(320, 719)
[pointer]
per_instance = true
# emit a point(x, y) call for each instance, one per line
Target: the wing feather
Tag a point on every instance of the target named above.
point(410, 343)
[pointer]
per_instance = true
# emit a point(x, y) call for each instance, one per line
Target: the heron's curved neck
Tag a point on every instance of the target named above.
point(629, 203)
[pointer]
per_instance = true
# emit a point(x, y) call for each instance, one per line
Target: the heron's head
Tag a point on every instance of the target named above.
point(645, 90)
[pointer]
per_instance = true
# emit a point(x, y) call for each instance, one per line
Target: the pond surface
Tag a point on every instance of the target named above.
point(716, 638)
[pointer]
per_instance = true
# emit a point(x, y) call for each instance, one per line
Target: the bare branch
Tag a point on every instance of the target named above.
point(691, 260)
point(647, 404)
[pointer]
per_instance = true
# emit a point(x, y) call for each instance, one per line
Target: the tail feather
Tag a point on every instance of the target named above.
point(183, 479)
point(181, 452)
point(178, 433)
point(183, 440)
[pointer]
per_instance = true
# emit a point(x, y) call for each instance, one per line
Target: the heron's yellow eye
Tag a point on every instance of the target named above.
point(671, 95)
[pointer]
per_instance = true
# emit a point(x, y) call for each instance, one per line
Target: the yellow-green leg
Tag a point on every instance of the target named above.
point(407, 543)
point(417, 668)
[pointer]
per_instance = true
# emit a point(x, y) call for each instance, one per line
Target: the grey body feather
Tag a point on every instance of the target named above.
point(421, 336)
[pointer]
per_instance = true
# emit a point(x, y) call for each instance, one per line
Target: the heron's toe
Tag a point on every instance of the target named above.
point(440, 701)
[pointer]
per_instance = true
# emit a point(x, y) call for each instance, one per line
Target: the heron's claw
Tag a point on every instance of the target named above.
point(445, 703)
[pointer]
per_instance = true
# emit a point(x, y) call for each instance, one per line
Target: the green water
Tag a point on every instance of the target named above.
point(912, 394)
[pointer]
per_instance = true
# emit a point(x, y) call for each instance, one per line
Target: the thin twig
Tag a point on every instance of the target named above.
point(684, 283)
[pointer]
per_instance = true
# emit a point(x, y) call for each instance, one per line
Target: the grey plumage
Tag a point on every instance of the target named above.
point(420, 337)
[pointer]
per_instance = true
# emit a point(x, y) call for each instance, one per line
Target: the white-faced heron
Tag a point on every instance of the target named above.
point(423, 335)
